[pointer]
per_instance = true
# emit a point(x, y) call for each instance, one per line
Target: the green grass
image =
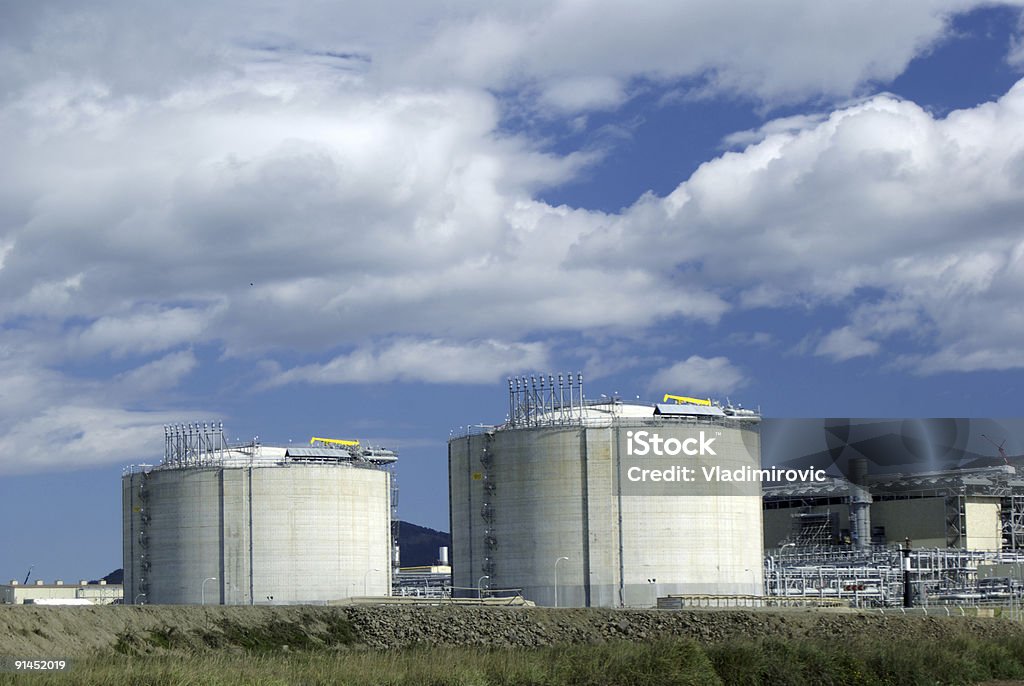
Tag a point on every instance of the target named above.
point(867, 661)
point(168, 657)
point(618, 664)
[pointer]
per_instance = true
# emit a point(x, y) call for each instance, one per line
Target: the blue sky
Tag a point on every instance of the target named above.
point(330, 220)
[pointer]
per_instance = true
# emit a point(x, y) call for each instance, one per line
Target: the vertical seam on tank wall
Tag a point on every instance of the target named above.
point(469, 513)
point(760, 510)
point(131, 536)
point(220, 529)
point(618, 493)
point(451, 514)
point(390, 535)
point(586, 517)
point(131, 562)
point(252, 590)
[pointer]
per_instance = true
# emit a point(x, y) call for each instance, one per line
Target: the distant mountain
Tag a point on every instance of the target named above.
point(418, 548)
point(115, 577)
point(419, 545)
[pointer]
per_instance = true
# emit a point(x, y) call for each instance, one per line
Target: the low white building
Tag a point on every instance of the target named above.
point(59, 593)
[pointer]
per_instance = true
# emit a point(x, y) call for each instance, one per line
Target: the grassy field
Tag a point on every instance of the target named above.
point(418, 646)
point(671, 661)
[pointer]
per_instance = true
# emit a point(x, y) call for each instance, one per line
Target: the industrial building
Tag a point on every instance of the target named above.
point(963, 526)
point(928, 480)
point(425, 581)
point(59, 593)
point(551, 503)
point(257, 524)
point(952, 533)
point(979, 509)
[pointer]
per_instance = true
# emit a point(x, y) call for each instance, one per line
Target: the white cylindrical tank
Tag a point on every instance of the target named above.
point(275, 531)
point(555, 511)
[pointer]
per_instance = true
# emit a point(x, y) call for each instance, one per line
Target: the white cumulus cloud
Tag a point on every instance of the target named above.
point(431, 361)
point(909, 221)
point(698, 375)
point(844, 344)
point(52, 420)
point(163, 373)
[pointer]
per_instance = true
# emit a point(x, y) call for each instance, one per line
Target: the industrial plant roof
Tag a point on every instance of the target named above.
point(978, 481)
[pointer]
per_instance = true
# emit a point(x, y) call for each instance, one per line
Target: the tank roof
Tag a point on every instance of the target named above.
point(204, 445)
point(259, 455)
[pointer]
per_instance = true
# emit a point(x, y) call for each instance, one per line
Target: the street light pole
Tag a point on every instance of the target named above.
point(556, 578)
point(202, 592)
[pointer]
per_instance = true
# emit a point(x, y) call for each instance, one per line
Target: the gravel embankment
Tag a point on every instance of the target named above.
point(78, 631)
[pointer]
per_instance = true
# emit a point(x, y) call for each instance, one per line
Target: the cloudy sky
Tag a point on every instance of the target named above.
point(356, 219)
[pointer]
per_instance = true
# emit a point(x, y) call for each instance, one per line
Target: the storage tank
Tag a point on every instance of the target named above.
point(552, 502)
point(256, 524)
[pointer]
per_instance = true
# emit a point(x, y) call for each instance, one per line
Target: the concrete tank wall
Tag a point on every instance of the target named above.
point(301, 533)
point(562, 492)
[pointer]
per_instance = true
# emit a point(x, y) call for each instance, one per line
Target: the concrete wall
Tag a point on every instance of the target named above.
point(984, 526)
point(561, 492)
point(302, 533)
point(922, 520)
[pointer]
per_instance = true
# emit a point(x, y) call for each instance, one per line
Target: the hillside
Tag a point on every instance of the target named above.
point(419, 544)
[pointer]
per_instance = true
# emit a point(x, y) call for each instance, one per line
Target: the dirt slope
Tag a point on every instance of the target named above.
point(79, 631)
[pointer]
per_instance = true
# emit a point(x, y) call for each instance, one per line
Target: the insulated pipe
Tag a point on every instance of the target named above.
point(860, 503)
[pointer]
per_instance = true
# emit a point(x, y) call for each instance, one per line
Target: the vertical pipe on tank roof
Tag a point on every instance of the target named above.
point(572, 397)
point(579, 378)
point(532, 398)
point(526, 400)
point(542, 398)
point(567, 411)
point(551, 394)
point(545, 397)
point(561, 399)
point(521, 398)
